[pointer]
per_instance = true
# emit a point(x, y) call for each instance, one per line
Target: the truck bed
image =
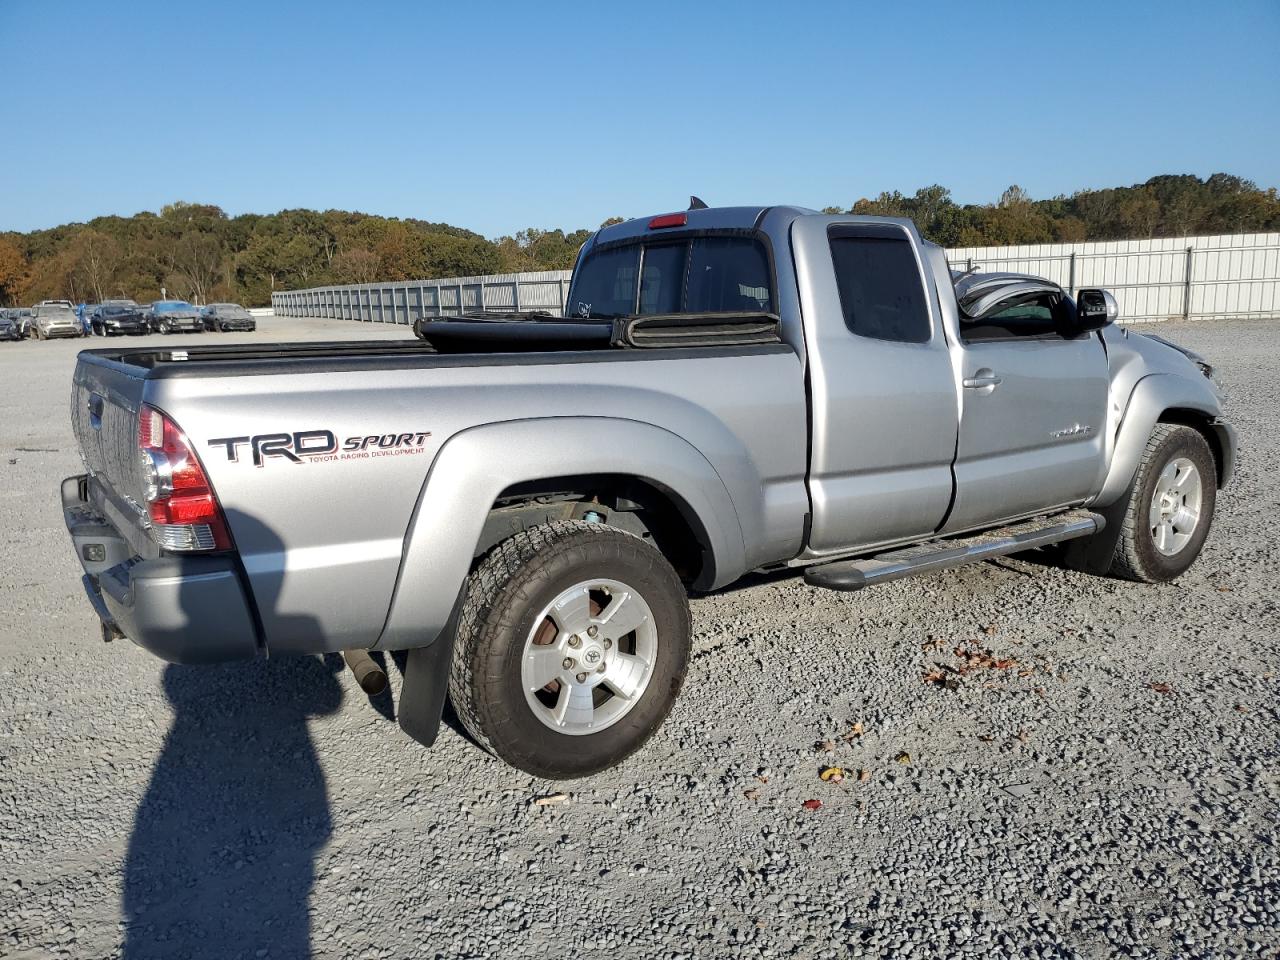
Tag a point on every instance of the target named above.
point(328, 533)
point(465, 342)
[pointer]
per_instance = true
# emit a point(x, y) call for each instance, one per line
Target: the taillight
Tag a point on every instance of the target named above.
point(181, 505)
point(669, 220)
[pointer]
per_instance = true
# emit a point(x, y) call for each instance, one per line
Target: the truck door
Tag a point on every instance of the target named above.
point(1034, 406)
point(883, 397)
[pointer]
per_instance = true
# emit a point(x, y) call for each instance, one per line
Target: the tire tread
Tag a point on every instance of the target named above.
point(1127, 562)
point(496, 586)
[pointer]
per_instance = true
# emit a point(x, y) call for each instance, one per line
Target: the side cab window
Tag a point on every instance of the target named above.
point(882, 292)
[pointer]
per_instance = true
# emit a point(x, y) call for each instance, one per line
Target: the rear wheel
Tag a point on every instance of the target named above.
point(571, 647)
point(1171, 506)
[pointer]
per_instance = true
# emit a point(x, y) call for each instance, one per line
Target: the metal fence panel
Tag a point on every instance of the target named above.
point(1231, 275)
point(404, 301)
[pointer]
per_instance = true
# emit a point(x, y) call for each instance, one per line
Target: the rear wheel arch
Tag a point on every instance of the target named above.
point(474, 469)
point(632, 503)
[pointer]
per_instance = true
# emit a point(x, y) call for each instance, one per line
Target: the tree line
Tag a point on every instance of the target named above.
point(197, 252)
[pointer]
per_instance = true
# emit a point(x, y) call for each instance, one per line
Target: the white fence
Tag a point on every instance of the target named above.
point(1233, 275)
point(406, 300)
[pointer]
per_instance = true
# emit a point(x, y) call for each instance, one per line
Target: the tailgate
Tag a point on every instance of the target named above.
point(105, 396)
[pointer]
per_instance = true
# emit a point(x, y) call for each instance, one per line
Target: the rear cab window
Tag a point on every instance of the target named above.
point(675, 275)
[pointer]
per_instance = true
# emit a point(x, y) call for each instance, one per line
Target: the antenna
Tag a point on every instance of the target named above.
point(695, 203)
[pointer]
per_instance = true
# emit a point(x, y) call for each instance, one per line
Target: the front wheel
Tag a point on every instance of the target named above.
point(571, 646)
point(1170, 508)
point(163, 326)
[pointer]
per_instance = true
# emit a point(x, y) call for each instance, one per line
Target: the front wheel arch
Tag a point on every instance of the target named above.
point(1213, 435)
point(1156, 398)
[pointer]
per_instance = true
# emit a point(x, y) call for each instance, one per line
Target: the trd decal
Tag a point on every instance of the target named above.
point(321, 445)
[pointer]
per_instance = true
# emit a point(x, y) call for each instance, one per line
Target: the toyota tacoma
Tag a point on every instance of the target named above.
point(524, 502)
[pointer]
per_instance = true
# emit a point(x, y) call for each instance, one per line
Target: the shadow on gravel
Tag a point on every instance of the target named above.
point(220, 863)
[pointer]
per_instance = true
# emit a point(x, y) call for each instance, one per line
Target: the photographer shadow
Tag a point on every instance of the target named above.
point(220, 863)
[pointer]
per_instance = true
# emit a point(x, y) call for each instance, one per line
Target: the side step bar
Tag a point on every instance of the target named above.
point(941, 554)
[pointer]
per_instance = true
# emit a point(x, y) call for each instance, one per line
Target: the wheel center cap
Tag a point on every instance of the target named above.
point(593, 656)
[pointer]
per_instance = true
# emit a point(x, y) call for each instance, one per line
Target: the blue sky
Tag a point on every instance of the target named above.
point(498, 117)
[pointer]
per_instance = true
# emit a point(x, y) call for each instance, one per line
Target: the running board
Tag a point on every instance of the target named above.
point(941, 554)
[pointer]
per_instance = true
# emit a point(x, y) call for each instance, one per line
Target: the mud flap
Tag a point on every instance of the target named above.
point(1094, 554)
point(426, 684)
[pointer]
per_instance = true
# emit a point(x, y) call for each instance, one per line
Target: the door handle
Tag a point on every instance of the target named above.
point(983, 379)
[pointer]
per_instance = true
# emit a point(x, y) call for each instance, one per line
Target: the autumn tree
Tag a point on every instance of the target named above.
point(15, 272)
point(197, 250)
point(357, 265)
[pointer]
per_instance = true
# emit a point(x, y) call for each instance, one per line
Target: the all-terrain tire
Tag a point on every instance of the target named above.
point(505, 597)
point(1137, 556)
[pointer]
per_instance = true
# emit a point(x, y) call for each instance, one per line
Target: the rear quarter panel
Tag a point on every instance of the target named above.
point(322, 540)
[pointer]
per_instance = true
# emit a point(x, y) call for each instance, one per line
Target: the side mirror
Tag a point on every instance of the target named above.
point(1095, 309)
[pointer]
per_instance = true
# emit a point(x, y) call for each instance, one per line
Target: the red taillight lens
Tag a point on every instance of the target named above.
point(184, 512)
point(669, 220)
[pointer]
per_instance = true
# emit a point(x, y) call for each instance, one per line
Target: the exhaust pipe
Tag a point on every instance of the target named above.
point(371, 677)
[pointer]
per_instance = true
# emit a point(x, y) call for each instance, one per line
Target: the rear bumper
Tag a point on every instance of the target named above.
point(184, 609)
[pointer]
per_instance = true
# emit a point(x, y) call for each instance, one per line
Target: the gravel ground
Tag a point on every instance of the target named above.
point(1113, 791)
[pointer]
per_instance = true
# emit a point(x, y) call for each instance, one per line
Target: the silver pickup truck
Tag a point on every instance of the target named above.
point(524, 502)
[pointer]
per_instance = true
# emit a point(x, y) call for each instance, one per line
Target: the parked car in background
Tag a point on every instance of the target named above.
point(54, 318)
point(110, 318)
point(9, 328)
point(174, 316)
point(223, 317)
point(22, 317)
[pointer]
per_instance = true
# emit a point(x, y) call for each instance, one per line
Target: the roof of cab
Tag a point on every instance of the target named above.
point(705, 218)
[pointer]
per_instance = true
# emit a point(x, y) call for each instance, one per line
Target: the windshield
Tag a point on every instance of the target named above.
point(57, 313)
point(116, 311)
point(232, 310)
point(175, 306)
point(702, 274)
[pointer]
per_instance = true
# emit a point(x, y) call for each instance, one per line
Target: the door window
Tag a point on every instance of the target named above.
point(1041, 317)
